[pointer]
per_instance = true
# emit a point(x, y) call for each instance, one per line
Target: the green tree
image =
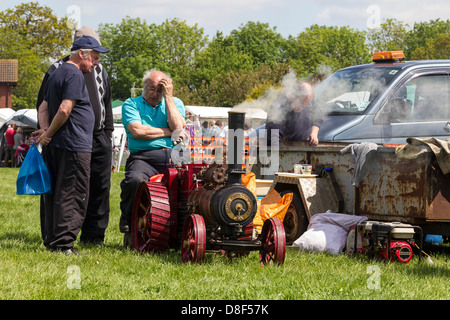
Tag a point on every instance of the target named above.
point(178, 44)
point(391, 35)
point(13, 46)
point(233, 67)
point(434, 48)
point(426, 36)
point(136, 46)
point(421, 33)
point(227, 71)
point(47, 35)
point(35, 37)
point(132, 46)
point(218, 58)
point(235, 86)
point(323, 49)
point(264, 44)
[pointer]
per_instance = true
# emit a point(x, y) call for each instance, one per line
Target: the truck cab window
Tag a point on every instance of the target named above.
point(420, 99)
point(431, 97)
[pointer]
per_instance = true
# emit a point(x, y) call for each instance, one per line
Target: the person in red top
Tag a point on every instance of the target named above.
point(9, 135)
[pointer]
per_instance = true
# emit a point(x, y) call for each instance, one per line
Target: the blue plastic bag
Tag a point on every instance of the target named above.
point(34, 177)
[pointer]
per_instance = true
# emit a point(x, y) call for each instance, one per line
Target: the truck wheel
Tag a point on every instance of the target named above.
point(295, 221)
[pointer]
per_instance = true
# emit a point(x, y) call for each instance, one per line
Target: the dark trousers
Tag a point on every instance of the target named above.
point(140, 167)
point(63, 211)
point(9, 155)
point(97, 215)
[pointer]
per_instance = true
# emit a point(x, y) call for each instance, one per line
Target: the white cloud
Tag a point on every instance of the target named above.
point(203, 12)
point(417, 11)
point(347, 12)
point(290, 17)
point(209, 14)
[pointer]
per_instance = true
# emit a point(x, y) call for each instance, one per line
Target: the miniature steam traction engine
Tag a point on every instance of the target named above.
point(205, 207)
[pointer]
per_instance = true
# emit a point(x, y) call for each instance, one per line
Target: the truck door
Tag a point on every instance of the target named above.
point(419, 107)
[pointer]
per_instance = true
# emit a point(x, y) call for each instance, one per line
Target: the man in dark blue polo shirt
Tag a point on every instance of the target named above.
point(295, 117)
point(66, 120)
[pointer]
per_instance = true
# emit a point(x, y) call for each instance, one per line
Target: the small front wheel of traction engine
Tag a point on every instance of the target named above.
point(193, 239)
point(273, 238)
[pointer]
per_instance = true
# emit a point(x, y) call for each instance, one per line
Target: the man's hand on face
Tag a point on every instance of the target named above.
point(166, 87)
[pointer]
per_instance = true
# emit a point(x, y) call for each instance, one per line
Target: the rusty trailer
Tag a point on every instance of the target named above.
point(392, 189)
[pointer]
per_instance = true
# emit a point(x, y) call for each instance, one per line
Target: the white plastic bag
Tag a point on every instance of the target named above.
point(327, 232)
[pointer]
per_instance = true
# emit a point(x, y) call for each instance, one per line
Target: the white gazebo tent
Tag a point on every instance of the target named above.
point(253, 115)
point(5, 115)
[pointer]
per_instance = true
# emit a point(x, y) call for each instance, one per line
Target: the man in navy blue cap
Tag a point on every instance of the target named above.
point(66, 121)
point(98, 85)
point(88, 42)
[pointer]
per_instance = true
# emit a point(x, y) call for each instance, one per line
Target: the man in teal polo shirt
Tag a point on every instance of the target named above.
point(149, 121)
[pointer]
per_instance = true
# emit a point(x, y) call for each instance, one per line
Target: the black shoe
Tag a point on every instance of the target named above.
point(71, 252)
point(124, 226)
point(124, 229)
point(127, 241)
point(67, 252)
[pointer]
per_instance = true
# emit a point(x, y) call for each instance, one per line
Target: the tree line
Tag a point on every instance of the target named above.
point(222, 71)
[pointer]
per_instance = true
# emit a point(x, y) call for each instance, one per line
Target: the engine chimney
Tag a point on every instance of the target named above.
point(235, 147)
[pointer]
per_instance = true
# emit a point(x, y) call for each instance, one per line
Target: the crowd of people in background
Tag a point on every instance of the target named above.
point(215, 128)
point(16, 146)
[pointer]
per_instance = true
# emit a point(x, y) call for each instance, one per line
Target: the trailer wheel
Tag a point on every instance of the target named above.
point(295, 221)
point(273, 240)
point(193, 239)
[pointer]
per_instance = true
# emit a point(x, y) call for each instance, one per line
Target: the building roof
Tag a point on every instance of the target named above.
point(9, 71)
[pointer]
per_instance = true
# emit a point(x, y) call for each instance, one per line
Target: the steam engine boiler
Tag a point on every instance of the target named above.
point(199, 207)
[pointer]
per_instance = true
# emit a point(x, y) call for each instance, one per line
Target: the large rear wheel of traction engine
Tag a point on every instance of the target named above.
point(150, 222)
point(273, 239)
point(193, 239)
point(295, 221)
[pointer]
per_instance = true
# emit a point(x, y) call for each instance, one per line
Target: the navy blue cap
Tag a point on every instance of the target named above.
point(87, 42)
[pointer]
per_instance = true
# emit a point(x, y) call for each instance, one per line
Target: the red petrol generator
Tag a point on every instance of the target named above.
point(391, 241)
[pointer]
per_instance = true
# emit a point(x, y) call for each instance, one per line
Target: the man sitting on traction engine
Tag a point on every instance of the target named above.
point(149, 121)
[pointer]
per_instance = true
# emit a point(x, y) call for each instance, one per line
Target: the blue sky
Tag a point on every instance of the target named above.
point(290, 17)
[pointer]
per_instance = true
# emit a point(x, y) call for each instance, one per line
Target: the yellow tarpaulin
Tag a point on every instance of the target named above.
point(249, 181)
point(271, 206)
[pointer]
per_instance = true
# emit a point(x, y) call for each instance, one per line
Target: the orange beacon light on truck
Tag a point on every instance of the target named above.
point(388, 56)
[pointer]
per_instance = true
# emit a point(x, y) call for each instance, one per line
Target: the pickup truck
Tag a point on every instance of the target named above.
point(386, 101)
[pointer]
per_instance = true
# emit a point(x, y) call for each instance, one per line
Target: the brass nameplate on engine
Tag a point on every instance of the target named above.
point(238, 207)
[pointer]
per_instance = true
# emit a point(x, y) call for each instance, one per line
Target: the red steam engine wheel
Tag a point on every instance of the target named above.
point(273, 241)
point(193, 239)
point(151, 219)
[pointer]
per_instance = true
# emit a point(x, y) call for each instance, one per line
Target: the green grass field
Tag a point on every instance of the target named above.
point(29, 272)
